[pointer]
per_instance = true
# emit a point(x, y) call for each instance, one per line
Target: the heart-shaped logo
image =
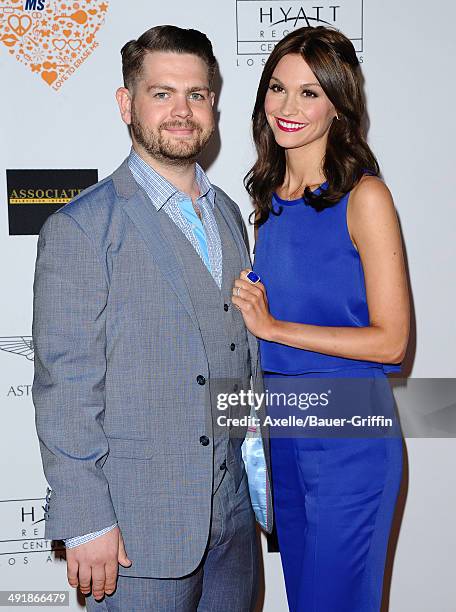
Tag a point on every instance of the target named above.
point(53, 42)
point(49, 76)
point(59, 43)
point(20, 25)
point(74, 44)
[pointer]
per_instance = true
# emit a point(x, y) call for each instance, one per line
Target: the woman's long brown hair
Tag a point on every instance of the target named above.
point(332, 58)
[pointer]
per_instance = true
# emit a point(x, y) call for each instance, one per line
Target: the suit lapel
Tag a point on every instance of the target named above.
point(232, 223)
point(144, 216)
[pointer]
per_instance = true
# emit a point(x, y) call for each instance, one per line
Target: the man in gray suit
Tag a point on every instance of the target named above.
point(135, 337)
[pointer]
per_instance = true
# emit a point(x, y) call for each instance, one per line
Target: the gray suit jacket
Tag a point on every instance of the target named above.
point(117, 353)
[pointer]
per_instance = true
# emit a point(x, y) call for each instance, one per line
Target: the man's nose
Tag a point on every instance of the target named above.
point(181, 108)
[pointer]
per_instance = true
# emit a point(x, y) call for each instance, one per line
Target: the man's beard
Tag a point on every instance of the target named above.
point(176, 152)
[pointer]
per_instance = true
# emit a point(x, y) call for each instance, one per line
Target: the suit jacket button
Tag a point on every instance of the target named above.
point(200, 379)
point(204, 440)
point(223, 466)
point(225, 307)
point(232, 346)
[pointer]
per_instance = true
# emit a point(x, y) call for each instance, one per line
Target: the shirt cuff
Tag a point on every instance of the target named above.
point(73, 542)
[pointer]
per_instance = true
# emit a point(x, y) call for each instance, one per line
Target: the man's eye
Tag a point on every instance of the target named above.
point(161, 95)
point(196, 96)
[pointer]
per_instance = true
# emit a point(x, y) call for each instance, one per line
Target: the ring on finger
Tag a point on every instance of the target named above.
point(253, 277)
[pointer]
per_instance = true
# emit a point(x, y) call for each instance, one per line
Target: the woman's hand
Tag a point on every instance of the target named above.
point(252, 301)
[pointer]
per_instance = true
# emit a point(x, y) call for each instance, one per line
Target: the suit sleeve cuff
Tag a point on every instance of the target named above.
point(73, 542)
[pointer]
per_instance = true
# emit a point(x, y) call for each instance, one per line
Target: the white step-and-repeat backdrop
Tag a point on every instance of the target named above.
point(61, 131)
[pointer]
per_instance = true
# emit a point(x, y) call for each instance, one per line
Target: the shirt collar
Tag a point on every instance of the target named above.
point(159, 189)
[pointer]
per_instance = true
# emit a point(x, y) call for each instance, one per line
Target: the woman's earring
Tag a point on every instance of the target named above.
point(337, 117)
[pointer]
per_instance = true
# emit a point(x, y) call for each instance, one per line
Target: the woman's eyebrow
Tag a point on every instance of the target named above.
point(303, 84)
point(311, 85)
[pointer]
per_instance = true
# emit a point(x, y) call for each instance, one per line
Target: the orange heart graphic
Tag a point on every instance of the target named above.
point(59, 43)
point(20, 25)
point(65, 38)
point(49, 76)
point(74, 44)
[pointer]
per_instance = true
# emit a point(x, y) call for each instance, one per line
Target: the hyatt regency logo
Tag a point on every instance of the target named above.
point(261, 24)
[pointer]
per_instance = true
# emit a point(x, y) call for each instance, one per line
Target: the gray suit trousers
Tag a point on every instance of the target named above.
point(225, 581)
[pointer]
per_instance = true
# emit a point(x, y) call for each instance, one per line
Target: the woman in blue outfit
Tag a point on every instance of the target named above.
point(332, 303)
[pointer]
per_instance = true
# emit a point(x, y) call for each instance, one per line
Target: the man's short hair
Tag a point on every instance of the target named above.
point(165, 38)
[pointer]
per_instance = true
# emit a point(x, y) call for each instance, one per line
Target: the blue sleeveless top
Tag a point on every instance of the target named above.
point(313, 274)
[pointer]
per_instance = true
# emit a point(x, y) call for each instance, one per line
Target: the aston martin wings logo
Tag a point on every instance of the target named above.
point(19, 345)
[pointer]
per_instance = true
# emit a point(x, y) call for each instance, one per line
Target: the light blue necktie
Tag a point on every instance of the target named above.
point(189, 213)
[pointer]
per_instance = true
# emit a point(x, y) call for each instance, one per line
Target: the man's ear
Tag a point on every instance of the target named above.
point(212, 94)
point(123, 97)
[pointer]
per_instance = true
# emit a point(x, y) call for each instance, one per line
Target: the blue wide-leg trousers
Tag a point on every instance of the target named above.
point(334, 500)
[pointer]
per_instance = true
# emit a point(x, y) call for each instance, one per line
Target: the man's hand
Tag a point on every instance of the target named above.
point(93, 566)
